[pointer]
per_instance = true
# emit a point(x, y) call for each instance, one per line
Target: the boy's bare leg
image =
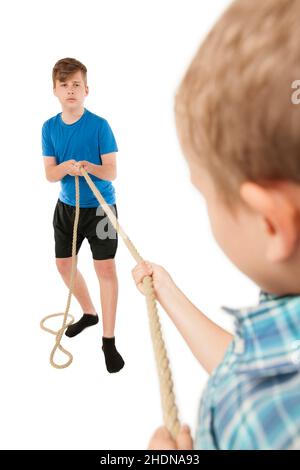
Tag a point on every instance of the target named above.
point(80, 290)
point(108, 281)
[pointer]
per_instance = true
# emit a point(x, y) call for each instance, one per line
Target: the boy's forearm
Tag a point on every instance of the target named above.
point(207, 341)
point(104, 172)
point(56, 172)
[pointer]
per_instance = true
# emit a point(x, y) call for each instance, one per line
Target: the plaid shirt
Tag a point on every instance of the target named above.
point(252, 399)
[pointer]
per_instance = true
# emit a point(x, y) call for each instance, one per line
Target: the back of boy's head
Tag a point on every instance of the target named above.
point(65, 68)
point(234, 111)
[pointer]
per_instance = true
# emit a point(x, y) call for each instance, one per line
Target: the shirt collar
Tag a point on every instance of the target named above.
point(265, 296)
point(267, 340)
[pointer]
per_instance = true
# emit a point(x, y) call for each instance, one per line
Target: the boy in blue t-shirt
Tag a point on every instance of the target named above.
point(72, 139)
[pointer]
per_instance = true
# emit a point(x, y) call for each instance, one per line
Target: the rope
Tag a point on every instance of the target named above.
point(59, 333)
point(169, 408)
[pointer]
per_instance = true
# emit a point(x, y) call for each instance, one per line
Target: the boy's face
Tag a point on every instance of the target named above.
point(247, 237)
point(72, 92)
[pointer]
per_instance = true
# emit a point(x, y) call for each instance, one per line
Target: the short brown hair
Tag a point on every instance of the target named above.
point(234, 111)
point(64, 68)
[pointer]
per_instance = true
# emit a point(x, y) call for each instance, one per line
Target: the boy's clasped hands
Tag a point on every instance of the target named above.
point(72, 167)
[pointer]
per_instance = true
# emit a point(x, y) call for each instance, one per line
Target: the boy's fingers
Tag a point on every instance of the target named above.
point(162, 432)
point(136, 270)
point(138, 276)
point(149, 268)
point(138, 273)
point(162, 440)
point(184, 440)
point(144, 267)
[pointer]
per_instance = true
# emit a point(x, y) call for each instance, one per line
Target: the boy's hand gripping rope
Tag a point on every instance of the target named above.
point(169, 408)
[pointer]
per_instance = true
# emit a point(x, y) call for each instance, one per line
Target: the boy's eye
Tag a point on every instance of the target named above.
point(65, 84)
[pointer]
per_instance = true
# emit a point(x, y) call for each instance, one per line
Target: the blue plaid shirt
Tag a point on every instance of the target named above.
point(252, 399)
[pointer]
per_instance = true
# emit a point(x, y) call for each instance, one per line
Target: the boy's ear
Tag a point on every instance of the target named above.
point(279, 211)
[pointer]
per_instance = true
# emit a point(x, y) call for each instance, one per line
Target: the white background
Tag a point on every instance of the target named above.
point(136, 53)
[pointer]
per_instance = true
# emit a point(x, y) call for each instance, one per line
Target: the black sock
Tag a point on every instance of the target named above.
point(86, 320)
point(113, 360)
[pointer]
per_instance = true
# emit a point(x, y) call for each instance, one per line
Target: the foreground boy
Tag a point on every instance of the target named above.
point(240, 133)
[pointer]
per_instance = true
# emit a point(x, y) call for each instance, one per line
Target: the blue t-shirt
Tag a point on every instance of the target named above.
point(86, 139)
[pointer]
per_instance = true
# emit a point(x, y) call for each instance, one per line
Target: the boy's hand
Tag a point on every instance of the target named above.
point(160, 276)
point(162, 439)
point(87, 166)
point(71, 168)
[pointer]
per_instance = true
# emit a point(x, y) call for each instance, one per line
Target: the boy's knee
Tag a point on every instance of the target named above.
point(64, 265)
point(105, 269)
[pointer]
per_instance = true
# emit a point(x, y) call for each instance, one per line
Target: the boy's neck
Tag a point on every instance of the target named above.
point(71, 116)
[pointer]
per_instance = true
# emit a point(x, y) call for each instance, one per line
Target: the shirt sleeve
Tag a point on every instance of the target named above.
point(47, 146)
point(107, 141)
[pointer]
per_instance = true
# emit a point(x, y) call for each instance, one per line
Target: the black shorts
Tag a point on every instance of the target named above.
point(93, 224)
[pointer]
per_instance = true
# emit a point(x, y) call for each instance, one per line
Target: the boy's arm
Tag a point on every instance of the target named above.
point(56, 172)
point(207, 341)
point(107, 171)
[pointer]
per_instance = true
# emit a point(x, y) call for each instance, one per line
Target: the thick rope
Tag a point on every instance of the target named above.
point(169, 408)
point(59, 333)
